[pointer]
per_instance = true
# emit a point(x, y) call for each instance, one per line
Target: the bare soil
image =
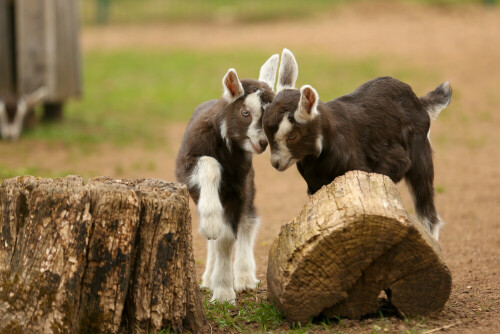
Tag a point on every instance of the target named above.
point(461, 44)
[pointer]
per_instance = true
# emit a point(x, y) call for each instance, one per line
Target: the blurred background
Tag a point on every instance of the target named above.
point(146, 64)
point(142, 66)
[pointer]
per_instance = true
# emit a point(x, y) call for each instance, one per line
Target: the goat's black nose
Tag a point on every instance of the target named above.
point(276, 165)
point(263, 144)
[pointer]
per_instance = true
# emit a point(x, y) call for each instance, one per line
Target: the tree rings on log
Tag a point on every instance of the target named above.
point(352, 240)
point(108, 256)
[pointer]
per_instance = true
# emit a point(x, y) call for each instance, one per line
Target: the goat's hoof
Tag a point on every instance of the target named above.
point(224, 295)
point(206, 284)
point(245, 282)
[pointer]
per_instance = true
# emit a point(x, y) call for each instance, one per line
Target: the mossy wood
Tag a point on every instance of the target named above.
point(104, 257)
point(353, 240)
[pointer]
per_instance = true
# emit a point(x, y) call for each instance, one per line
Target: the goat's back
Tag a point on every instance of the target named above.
point(384, 103)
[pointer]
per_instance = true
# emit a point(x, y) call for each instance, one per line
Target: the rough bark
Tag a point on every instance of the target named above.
point(109, 256)
point(353, 240)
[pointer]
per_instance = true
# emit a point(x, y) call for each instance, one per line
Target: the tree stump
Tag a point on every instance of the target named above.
point(110, 256)
point(353, 240)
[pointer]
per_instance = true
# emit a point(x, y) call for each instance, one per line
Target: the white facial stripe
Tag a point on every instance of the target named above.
point(253, 104)
point(283, 130)
point(283, 156)
point(255, 132)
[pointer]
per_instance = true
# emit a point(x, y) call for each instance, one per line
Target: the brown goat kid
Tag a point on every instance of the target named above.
point(215, 161)
point(381, 127)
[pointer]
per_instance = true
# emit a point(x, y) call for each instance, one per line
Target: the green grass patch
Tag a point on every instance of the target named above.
point(131, 95)
point(254, 314)
point(440, 189)
point(251, 314)
point(7, 173)
point(148, 11)
point(157, 11)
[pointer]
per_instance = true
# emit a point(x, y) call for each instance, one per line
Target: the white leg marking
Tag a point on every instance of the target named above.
point(207, 178)
point(222, 275)
point(436, 228)
point(427, 224)
point(244, 263)
point(206, 280)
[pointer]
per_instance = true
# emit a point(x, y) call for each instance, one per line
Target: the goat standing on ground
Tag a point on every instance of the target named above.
point(13, 113)
point(382, 127)
point(215, 161)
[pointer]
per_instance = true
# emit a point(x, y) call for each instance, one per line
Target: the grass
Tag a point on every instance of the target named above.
point(254, 314)
point(6, 172)
point(148, 11)
point(130, 95)
point(155, 11)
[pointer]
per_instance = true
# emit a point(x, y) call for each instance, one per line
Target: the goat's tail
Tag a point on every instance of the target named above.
point(437, 100)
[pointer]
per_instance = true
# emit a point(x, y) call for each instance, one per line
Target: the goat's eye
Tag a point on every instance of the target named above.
point(291, 136)
point(245, 113)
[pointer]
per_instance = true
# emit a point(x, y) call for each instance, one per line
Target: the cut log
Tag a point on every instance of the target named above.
point(104, 257)
point(353, 240)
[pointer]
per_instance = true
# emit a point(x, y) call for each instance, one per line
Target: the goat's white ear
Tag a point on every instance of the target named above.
point(307, 109)
point(232, 86)
point(269, 69)
point(289, 71)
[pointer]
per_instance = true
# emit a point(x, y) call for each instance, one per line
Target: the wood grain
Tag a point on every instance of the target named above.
point(107, 256)
point(353, 240)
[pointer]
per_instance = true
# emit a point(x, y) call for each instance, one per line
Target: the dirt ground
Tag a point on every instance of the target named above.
point(462, 45)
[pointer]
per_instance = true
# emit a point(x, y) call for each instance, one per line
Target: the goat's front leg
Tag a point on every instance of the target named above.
point(222, 274)
point(206, 177)
point(206, 279)
point(244, 263)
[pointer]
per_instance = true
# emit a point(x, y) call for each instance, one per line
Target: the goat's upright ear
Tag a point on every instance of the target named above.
point(289, 71)
point(269, 69)
point(307, 109)
point(232, 86)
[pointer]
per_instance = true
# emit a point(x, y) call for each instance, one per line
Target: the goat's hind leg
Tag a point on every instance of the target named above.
point(420, 179)
point(244, 263)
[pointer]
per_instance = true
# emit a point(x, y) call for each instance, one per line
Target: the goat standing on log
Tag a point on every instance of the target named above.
point(381, 127)
point(215, 161)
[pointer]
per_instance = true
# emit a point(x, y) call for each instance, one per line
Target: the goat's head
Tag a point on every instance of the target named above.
point(290, 120)
point(12, 113)
point(245, 102)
